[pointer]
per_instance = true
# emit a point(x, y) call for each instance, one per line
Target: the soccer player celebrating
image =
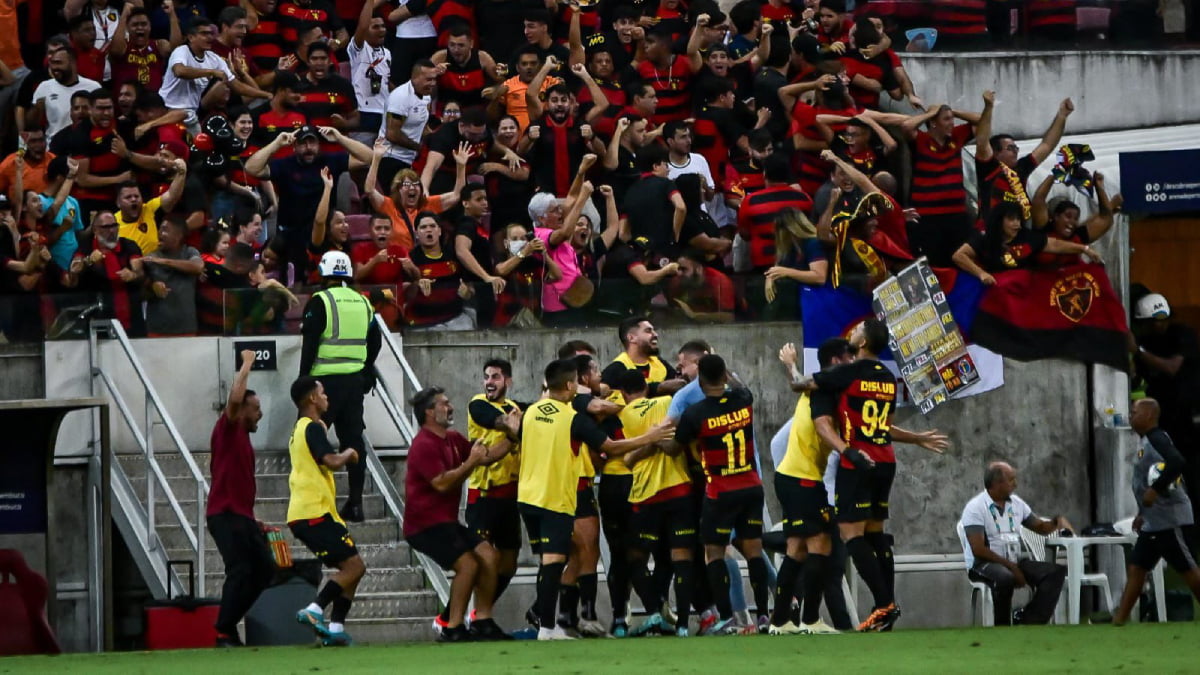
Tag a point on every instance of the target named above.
point(806, 513)
point(312, 512)
point(639, 343)
point(547, 488)
point(722, 426)
point(663, 510)
point(862, 394)
point(492, 489)
point(439, 462)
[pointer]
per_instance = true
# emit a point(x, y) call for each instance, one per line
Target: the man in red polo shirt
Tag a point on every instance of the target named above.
point(439, 461)
point(238, 535)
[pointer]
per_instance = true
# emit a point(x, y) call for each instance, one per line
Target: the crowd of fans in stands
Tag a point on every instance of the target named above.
point(501, 162)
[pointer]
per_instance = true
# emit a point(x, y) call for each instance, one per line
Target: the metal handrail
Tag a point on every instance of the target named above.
point(391, 496)
point(195, 539)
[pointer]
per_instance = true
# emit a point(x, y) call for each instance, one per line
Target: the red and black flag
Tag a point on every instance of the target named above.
point(1071, 312)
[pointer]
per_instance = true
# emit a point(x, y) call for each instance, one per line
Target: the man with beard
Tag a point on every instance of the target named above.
point(52, 98)
point(557, 142)
point(30, 166)
point(326, 98)
point(173, 270)
point(110, 266)
point(703, 294)
point(639, 342)
point(102, 156)
point(133, 56)
point(471, 132)
point(468, 70)
point(298, 181)
point(495, 420)
point(281, 114)
point(1001, 172)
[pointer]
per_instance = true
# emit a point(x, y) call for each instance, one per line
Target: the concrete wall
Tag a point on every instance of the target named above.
point(1112, 90)
point(21, 371)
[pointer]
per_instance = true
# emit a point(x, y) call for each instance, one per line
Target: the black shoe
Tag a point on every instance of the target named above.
point(457, 634)
point(1018, 616)
point(486, 630)
point(352, 512)
point(532, 618)
point(227, 641)
point(889, 621)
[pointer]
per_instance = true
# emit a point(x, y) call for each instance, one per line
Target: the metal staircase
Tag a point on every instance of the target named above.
point(159, 499)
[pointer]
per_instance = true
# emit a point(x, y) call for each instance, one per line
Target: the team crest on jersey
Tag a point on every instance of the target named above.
point(1073, 295)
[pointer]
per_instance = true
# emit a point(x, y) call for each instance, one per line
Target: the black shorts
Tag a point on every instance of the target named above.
point(615, 510)
point(328, 539)
point(805, 505)
point(863, 494)
point(497, 521)
point(736, 510)
point(549, 531)
point(672, 522)
point(1174, 545)
point(585, 503)
point(445, 543)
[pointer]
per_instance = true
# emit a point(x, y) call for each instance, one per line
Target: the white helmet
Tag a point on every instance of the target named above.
point(335, 264)
point(1152, 306)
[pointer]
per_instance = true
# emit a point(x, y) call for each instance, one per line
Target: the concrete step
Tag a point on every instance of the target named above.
point(173, 464)
point(377, 556)
point(377, 531)
point(394, 604)
point(270, 510)
point(377, 580)
point(388, 631)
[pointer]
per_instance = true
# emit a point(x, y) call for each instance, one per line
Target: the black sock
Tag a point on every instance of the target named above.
point(445, 614)
point(785, 590)
point(683, 591)
point(718, 582)
point(329, 592)
point(549, 580)
point(816, 569)
point(587, 595)
point(643, 584)
point(341, 607)
point(882, 543)
point(760, 584)
point(502, 582)
point(867, 564)
point(568, 603)
point(662, 577)
point(701, 592)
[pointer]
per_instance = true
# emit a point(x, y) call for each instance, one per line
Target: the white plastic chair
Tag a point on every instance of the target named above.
point(1036, 543)
point(1156, 575)
point(981, 594)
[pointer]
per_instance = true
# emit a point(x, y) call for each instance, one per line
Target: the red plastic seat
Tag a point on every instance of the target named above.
point(360, 226)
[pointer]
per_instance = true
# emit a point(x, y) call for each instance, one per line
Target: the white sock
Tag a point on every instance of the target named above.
point(335, 627)
point(314, 607)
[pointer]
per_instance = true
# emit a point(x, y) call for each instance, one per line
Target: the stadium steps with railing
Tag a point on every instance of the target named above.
point(394, 602)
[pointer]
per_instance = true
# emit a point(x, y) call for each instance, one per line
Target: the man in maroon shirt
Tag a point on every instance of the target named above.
point(249, 565)
point(439, 461)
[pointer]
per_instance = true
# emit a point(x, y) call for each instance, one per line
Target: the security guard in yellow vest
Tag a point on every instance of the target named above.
point(341, 341)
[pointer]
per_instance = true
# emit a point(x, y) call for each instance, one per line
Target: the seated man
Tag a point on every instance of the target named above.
point(992, 522)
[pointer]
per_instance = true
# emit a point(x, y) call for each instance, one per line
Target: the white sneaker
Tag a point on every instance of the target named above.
point(788, 628)
point(590, 628)
point(818, 628)
point(556, 633)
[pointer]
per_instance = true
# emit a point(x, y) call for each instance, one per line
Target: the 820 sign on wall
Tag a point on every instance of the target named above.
point(264, 354)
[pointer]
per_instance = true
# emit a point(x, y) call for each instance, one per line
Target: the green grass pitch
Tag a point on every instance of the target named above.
point(1141, 648)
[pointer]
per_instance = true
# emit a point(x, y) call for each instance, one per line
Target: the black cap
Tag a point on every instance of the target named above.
point(306, 131)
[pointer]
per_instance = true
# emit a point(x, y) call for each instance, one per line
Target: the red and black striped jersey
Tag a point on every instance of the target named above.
point(756, 219)
point(463, 83)
point(446, 13)
point(672, 85)
point(743, 178)
point(443, 303)
point(722, 431)
point(295, 19)
point(321, 100)
point(866, 398)
point(270, 124)
point(264, 43)
point(95, 145)
point(937, 175)
point(715, 133)
point(1050, 14)
point(960, 18)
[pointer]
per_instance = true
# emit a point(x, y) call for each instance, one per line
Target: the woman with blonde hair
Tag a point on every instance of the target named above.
point(799, 259)
point(406, 197)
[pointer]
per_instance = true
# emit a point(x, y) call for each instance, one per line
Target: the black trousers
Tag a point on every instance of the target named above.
point(249, 566)
point(345, 416)
point(1045, 578)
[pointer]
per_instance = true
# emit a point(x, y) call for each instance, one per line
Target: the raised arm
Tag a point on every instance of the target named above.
point(533, 101)
point(613, 152)
point(237, 393)
point(1037, 205)
point(599, 98)
point(1101, 222)
point(1054, 134)
point(578, 55)
point(171, 197)
point(695, 60)
point(321, 217)
point(360, 153)
point(913, 124)
point(258, 165)
point(612, 220)
point(860, 179)
point(371, 184)
point(983, 129)
point(119, 42)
